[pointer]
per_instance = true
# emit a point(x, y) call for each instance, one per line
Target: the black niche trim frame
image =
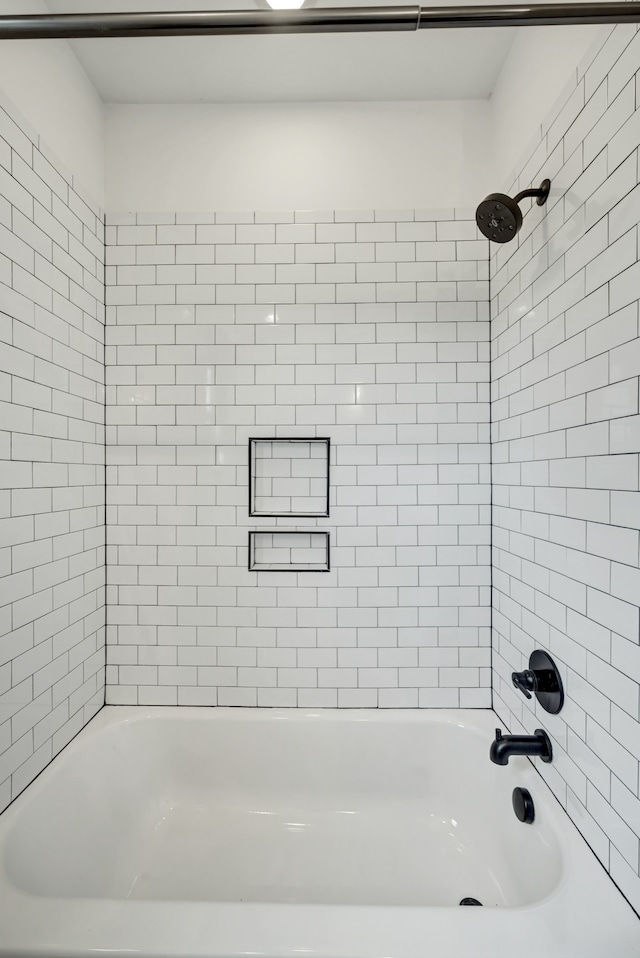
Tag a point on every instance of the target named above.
point(255, 567)
point(252, 477)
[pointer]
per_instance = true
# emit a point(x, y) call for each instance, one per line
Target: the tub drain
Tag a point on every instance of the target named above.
point(471, 901)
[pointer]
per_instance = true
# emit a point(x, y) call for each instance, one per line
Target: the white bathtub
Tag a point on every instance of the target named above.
point(176, 833)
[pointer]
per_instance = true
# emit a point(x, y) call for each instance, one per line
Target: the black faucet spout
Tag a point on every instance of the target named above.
point(537, 745)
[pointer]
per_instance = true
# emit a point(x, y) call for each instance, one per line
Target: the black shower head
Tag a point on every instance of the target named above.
point(499, 217)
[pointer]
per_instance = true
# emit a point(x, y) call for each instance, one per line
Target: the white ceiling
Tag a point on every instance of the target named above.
point(438, 65)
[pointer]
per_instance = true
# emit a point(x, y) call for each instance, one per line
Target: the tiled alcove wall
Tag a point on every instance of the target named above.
point(565, 367)
point(368, 328)
point(52, 612)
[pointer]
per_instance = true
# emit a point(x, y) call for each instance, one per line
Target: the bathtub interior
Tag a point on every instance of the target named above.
point(235, 807)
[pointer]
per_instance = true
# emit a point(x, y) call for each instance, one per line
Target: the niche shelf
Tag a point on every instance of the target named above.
point(288, 551)
point(289, 477)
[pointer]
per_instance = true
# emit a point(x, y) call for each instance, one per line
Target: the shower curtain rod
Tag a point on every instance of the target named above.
point(322, 20)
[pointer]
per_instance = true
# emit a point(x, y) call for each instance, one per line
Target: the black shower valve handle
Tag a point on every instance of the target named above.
point(526, 681)
point(543, 679)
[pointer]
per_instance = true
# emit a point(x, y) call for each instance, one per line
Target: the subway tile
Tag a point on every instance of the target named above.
point(307, 392)
point(586, 370)
point(613, 402)
point(55, 354)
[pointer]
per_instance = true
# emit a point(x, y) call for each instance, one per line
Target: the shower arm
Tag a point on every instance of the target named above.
point(541, 193)
point(524, 194)
point(319, 20)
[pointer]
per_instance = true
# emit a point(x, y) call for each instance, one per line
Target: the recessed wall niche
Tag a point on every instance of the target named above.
point(289, 551)
point(289, 477)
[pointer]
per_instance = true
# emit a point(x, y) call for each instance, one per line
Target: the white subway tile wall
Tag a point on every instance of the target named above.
point(566, 438)
point(52, 557)
point(369, 328)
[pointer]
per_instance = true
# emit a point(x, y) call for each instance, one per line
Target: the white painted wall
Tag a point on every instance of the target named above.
point(327, 155)
point(297, 156)
point(536, 70)
point(45, 81)
point(288, 155)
